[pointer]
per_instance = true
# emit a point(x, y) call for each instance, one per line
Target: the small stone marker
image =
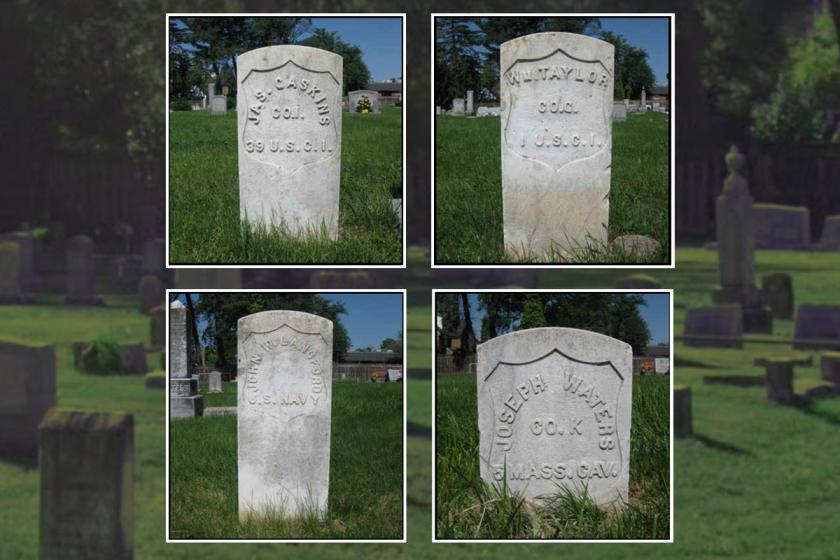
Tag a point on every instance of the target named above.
point(220, 411)
point(718, 326)
point(488, 112)
point(289, 122)
point(458, 107)
point(779, 381)
point(556, 92)
point(437, 109)
point(87, 485)
point(81, 278)
point(157, 326)
point(284, 403)
point(133, 358)
point(218, 105)
point(10, 267)
point(619, 113)
point(150, 293)
point(736, 244)
point(184, 400)
point(661, 366)
point(154, 255)
point(215, 382)
point(27, 391)
point(830, 367)
point(470, 107)
point(554, 410)
point(355, 96)
point(682, 412)
point(817, 326)
point(777, 294)
point(781, 227)
point(830, 239)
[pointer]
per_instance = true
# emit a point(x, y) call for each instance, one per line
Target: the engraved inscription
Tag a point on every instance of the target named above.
point(290, 120)
point(255, 394)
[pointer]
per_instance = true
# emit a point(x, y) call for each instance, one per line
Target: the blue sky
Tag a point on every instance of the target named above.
point(650, 34)
point(379, 38)
point(370, 318)
point(656, 313)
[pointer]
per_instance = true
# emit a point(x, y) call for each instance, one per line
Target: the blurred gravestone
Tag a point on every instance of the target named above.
point(554, 409)
point(470, 107)
point(556, 136)
point(214, 382)
point(133, 358)
point(150, 293)
point(289, 123)
point(81, 277)
point(782, 227)
point(157, 326)
point(735, 241)
point(26, 261)
point(817, 326)
point(714, 326)
point(682, 412)
point(779, 380)
point(619, 111)
point(154, 255)
point(777, 294)
point(830, 367)
point(27, 391)
point(661, 366)
point(10, 264)
point(458, 107)
point(184, 400)
point(284, 402)
point(356, 96)
point(830, 239)
point(87, 485)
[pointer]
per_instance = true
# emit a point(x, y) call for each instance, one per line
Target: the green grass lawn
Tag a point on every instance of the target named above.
point(204, 196)
point(468, 509)
point(366, 471)
point(468, 188)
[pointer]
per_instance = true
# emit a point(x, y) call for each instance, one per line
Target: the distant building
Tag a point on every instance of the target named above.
point(659, 94)
point(390, 92)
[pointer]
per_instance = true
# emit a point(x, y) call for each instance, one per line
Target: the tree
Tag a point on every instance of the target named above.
point(533, 316)
point(457, 59)
point(632, 71)
point(392, 345)
point(356, 73)
point(448, 308)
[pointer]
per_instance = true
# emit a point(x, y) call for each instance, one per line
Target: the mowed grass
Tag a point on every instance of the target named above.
point(467, 508)
point(204, 196)
point(468, 191)
point(366, 472)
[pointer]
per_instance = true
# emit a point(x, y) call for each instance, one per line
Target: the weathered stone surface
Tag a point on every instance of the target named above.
point(214, 382)
point(157, 326)
point(208, 278)
point(26, 257)
point(150, 293)
point(220, 411)
point(619, 113)
point(830, 367)
point(10, 273)
point(154, 256)
point(782, 227)
point(662, 366)
point(682, 412)
point(289, 123)
point(554, 409)
point(437, 110)
point(458, 107)
point(133, 358)
point(638, 245)
point(87, 485)
point(284, 403)
point(817, 326)
point(184, 400)
point(218, 105)
point(637, 281)
point(81, 278)
point(27, 391)
point(777, 294)
point(488, 112)
point(714, 326)
point(355, 96)
point(470, 108)
point(830, 239)
point(779, 381)
point(397, 205)
point(556, 126)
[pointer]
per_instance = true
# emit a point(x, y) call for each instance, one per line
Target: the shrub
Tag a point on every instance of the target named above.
point(181, 104)
point(102, 356)
point(364, 105)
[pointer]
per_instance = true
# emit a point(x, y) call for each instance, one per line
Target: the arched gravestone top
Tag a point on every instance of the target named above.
point(353, 98)
point(284, 412)
point(554, 409)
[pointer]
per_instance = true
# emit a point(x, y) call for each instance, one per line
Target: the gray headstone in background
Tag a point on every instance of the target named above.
point(26, 265)
point(27, 391)
point(184, 400)
point(782, 227)
point(220, 411)
point(289, 123)
point(218, 105)
point(87, 486)
point(644, 100)
point(437, 109)
point(714, 326)
point(817, 326)
point(154, 256)
point(214, 382)
point(133, 358)
point(81, 277)
point(285, 403)
point(554, 408)
point(830, 367)
point(150, 293)
point(556, 136)
point(488, 112)
point(830, 239)
point(777, 294)
point(470, 105)
point(10, 265)
point(458, 106)
point(157, 326)
point(354, 97)
point(619, 113)
point(662, 365)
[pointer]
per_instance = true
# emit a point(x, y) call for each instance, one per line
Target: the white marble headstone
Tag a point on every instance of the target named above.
point(284, 409)
point(289, 130)
point(556, 136)
point(554, 410)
